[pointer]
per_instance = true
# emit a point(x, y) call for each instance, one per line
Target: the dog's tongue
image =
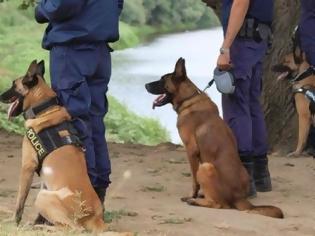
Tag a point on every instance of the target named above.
point(158, 100)
point(12, 108)
point(282, 75)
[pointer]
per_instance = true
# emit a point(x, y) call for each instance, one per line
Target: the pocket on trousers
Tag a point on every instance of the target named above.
point(75, 96)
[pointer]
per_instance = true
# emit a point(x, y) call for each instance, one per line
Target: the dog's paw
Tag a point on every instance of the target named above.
point(185, 199)
point(294, 154)
point(192, 202)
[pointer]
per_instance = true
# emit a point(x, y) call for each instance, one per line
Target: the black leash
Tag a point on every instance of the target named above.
point(209, 85)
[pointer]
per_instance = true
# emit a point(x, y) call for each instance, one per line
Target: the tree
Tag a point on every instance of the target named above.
point(279, 110)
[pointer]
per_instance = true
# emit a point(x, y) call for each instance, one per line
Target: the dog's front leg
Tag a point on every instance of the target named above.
point(194, 161)
point(304, 119)
point(51, 118)
point(29, 165)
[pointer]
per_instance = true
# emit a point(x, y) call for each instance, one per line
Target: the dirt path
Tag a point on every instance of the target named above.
point(149, 181)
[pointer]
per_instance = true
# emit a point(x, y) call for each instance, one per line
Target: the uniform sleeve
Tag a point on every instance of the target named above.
point(120, 5)
point(39, 16)
point(57, 10)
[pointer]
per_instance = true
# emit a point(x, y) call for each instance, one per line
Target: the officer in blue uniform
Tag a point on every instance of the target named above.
point(307, 30)
point(77, 37)
point(246, 25)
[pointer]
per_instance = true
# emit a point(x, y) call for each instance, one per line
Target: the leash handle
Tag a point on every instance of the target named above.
point(209, 84)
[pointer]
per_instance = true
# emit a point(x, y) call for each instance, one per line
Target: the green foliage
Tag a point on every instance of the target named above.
point(169, 14)
point(15, 125)
point(122, 124)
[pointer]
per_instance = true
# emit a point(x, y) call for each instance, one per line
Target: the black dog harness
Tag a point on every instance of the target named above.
point(49, 139)
point(309, 72)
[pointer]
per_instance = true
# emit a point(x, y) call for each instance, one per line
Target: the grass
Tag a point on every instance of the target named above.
point(176, 221)
point(154, 188)
point(111, 216)
point(10, 229)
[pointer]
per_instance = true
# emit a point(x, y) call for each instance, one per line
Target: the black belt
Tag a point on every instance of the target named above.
point(255, 30)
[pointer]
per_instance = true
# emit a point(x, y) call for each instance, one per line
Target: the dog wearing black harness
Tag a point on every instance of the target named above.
point(301, 75)
point(52, 148)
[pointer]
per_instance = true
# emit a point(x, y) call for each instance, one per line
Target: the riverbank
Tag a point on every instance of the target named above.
point(147, 184)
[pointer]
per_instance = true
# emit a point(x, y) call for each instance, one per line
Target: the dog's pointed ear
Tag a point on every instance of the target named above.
point(41, 68)
point(180, 69)
point(32, 68)
point(30, 79)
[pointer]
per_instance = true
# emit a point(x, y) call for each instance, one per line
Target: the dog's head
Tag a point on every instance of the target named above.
point(293, 62)
point(171, 87)
point(21, 88)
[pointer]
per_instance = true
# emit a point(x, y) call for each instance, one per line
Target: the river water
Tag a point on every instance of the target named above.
point(134, 67)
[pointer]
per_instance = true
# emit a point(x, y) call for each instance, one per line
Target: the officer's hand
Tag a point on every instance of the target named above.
point(223, 62)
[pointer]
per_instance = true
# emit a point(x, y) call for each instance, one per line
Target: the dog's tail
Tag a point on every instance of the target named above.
point(271, 211)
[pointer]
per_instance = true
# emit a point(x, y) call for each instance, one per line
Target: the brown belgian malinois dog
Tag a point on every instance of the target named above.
point(69, 199)
point(210, 145)
point(295, 69)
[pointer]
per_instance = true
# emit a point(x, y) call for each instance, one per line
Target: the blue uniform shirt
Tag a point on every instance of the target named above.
point(261, 10)
point(79, 21)
point(307, 29)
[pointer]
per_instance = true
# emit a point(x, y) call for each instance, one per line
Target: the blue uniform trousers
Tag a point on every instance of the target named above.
point(242, 110)
point(307, 29)
point(80, 75)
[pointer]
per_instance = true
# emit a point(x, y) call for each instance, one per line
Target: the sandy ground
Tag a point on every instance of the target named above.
point(149, 181)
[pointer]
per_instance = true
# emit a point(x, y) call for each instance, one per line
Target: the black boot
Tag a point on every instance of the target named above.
point(101, 192)
point(249, 166)
point(261, 174)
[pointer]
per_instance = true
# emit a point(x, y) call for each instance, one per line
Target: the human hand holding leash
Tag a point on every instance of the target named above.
point(224, 61)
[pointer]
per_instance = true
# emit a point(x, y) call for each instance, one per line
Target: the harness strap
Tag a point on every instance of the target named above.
point(310, 71)
point(32, 112)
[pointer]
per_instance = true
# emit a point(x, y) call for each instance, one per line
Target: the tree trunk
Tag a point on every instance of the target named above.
point(279, 110)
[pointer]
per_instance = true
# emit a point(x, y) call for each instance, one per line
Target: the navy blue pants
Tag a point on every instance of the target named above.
point(80, 76)
point(242, 110)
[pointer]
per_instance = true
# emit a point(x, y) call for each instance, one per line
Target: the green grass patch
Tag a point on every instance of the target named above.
point(111, 216)
point(124, 125)
point(154, 188)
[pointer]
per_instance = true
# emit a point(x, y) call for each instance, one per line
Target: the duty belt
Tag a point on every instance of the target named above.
point(253, 29)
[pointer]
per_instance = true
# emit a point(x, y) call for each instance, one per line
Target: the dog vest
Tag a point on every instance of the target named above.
point(50, 139)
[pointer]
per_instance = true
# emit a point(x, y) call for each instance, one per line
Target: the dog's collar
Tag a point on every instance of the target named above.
point(32, 112)
point(176, 108)
point(310, 71)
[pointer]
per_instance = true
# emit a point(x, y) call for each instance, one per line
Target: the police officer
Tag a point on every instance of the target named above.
point(307, 30)
point(77, 37)
point(246, 25)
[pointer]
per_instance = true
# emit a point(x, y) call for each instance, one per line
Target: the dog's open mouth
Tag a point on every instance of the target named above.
point(162, 100)
point(15, 107)
point(283, 75)
point(285, 72)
